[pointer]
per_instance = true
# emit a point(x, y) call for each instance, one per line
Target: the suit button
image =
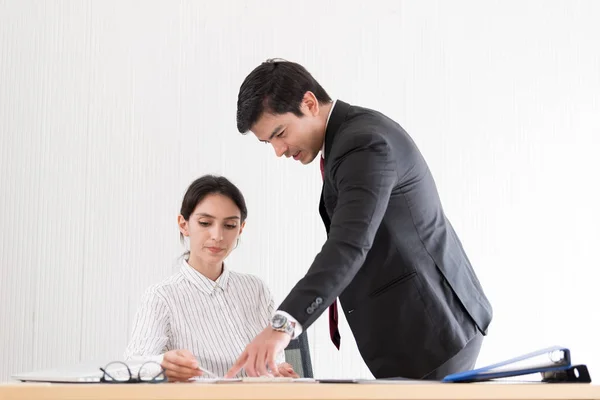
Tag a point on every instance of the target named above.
point(310, 310)
point(314, 305)
point(318, 300)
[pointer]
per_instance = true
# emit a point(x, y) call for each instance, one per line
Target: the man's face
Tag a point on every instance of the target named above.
point(293, 136)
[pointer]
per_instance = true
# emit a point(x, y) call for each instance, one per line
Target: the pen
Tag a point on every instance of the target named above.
point(213, 375)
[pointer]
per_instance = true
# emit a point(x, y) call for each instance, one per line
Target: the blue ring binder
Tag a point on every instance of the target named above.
point(554, 363)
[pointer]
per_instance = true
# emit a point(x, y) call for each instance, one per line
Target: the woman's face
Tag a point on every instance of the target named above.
point(213, 229)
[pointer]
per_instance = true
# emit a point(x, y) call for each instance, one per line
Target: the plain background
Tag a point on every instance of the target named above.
point(110, 109)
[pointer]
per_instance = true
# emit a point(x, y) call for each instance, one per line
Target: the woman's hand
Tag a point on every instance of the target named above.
point(180, 365)
point(286, 370)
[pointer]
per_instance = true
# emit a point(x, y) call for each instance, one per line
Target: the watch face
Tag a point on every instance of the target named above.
point(278, 321)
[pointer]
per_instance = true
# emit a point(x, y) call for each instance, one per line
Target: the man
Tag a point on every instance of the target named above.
point(406, 286)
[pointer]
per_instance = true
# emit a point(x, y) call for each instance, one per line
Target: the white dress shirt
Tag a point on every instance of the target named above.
point(297, 326)
point(214, 320)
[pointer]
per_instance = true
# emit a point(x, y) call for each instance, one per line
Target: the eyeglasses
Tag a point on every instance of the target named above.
point(119, 372)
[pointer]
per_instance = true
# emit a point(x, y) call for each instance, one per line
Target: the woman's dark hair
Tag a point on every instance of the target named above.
point(211, 184)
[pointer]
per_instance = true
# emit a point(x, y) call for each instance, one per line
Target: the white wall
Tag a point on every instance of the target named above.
point(109, 109)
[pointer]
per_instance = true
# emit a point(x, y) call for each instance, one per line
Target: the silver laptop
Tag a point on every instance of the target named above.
point(80, 373)
point(90, 372)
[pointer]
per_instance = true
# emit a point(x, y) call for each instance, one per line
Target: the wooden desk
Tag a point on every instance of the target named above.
point(302, 391)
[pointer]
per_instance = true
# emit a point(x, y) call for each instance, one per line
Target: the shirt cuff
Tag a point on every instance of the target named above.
point(297, 326)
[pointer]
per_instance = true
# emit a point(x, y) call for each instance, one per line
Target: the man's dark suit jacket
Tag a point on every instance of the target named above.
point(405, 284)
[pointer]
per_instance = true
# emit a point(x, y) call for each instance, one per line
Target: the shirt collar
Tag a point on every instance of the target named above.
point(202, 282)
point(327, 123)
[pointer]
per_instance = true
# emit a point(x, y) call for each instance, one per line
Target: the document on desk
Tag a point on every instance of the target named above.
point(201, 380)
point(266, 379)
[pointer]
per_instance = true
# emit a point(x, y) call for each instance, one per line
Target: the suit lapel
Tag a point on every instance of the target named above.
point(337, 118)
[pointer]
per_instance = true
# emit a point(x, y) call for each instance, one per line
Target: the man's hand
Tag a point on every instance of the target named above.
point(260, 353)
point(180, 365)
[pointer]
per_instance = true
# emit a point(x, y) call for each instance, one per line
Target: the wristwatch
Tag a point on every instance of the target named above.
point(281, 324)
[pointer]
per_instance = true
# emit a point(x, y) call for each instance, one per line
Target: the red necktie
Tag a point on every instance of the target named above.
point(334, 333)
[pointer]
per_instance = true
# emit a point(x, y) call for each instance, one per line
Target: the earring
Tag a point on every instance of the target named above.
point(237, 243)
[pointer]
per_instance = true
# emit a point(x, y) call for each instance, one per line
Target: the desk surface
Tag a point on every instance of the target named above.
point(302, 391)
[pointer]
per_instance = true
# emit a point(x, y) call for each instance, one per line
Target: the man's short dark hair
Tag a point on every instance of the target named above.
point(275, 86)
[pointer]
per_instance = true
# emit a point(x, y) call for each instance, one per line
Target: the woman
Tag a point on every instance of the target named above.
point(206, 314)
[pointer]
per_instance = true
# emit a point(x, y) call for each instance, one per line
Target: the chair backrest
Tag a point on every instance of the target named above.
point(297, 354)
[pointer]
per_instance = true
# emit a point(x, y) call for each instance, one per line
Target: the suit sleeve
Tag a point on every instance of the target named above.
point(364, 174)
